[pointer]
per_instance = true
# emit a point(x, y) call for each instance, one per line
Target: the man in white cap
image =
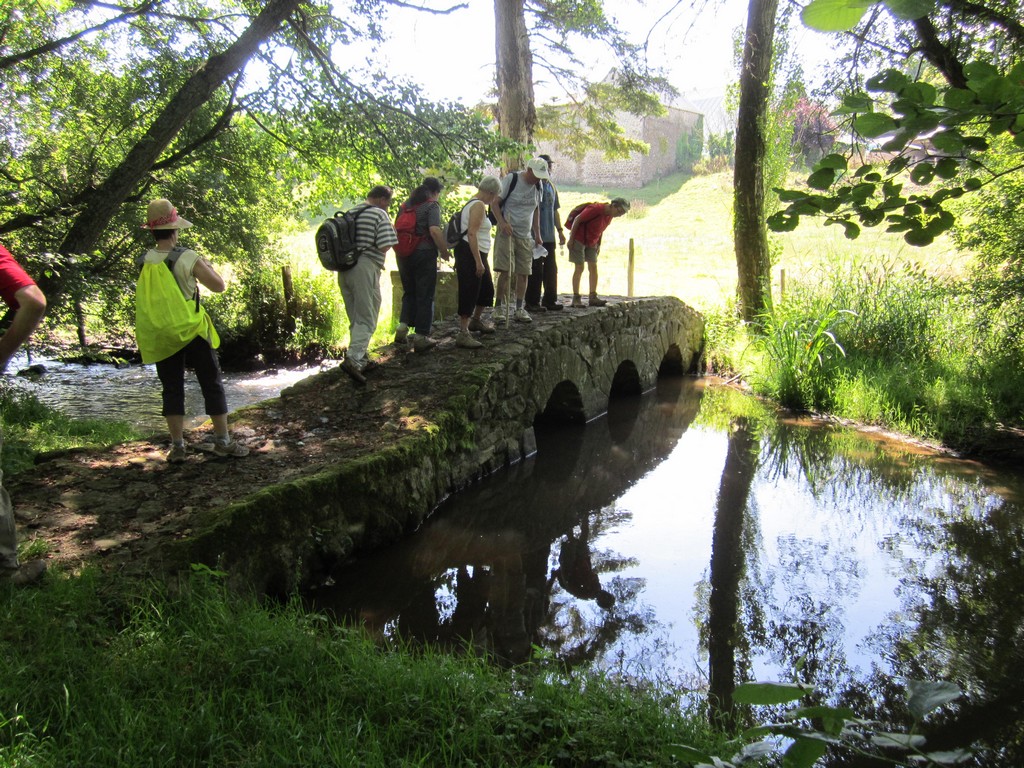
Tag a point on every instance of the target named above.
point(518, 218)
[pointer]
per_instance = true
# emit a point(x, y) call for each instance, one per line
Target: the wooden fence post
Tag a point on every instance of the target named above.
point(629, 271)
point(289, 297)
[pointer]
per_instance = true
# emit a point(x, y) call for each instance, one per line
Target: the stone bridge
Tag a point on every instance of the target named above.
point(336, 468)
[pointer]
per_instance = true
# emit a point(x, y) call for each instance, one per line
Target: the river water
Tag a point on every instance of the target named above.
point(676, 541)
point(132, 394)
point(692, 537)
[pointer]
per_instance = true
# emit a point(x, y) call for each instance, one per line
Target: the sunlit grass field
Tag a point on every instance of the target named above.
point(681, 228)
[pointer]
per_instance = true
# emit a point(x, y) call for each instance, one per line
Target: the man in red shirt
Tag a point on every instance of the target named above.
point(585, 243)
point(22, 295)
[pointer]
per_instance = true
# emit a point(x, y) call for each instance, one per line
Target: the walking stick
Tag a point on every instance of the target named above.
point(508, 286)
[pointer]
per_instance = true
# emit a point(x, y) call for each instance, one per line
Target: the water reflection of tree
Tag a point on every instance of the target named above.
point(803, 633)
point(724, 633)
point(960, 621)
point(964, 622)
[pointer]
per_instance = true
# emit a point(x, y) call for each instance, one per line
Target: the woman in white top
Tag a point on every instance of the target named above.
point(476, 289)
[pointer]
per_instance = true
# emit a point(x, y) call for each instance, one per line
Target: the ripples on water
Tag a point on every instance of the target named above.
point(132, 394)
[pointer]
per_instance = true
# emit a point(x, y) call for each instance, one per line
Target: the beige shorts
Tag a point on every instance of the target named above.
point(522, 257)
point(579, 253)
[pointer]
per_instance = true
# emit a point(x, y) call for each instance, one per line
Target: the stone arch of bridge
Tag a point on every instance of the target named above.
point(570, 401)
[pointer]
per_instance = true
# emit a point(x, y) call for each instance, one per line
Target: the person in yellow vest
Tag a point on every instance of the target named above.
point(173, 330)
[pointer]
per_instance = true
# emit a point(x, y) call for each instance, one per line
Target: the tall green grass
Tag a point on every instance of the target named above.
point(921, 355)
point(95, 674)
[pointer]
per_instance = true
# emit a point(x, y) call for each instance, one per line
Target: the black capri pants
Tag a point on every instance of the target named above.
point(200, 357)
point(473, 291)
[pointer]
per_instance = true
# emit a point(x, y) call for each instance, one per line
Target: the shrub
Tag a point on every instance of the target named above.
point(711, 165)
point(798, 351)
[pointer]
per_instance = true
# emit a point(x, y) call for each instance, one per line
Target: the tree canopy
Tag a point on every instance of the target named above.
point(241, 112)
point(951, 81)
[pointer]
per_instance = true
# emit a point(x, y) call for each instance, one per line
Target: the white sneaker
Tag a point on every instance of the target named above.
point(421, 343)
point(465, 340)
point(498, 314)
point(522, 316)
point(401, 333)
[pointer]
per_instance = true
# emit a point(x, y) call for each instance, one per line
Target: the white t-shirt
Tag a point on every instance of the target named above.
point(483, 235)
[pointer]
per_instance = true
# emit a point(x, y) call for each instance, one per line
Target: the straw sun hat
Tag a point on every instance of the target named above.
point(162, 215)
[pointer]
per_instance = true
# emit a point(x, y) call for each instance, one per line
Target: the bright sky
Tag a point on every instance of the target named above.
point(694, 48)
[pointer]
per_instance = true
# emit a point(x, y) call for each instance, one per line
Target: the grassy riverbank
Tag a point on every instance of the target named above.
point(102, 673)
point(30, 428)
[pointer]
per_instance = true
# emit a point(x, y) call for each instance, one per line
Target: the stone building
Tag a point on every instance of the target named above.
point(665, 136)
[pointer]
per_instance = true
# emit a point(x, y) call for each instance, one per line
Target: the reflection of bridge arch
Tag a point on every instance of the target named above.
point(489, 548)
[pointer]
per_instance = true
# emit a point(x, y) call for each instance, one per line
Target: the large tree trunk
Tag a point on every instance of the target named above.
point(514, 72)
point(751, 237)
point(104, 203)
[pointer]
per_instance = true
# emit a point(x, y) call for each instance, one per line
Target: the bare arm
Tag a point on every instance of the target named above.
point(476, 216)
point(31, 307)
point(438, 237)
point(503, 226)
point(207, 276)
point(572, 232)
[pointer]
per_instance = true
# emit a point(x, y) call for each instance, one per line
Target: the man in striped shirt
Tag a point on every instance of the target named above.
point(360, 286)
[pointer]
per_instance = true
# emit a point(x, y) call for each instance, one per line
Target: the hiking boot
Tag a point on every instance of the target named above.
point(177, 454)
point(577, 302)
point(522, 316)
point(25, 574)
point(535, 308)
point(481, 325)
point(353, 369)
point(421, 343)
point(594, 301)
point(401, 333)
point(465, 340)
point(234, 448)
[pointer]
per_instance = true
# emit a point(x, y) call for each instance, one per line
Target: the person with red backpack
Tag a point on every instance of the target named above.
point(420, 240)
point(587, 226)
